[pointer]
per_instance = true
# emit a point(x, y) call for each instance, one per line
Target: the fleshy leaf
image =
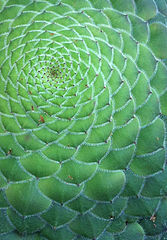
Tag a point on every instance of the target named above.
point(158, 40)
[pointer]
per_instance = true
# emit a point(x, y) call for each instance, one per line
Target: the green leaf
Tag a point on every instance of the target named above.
point(109, 184)
point(147, 165)
point(145, 9)
point(26, 198)
point(158, 39)
point(38, 165)
point(47, 187)
point(123, 6)
point(151, 138)
point(58, 215)
point(88, 225)
point(75, 172)
point(132, 231)
point(88, 153)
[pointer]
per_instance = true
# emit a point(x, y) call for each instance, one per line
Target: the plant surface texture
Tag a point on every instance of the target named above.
point(83, 106)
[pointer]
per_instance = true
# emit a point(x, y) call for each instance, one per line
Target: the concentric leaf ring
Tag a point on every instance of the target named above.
point(83, 92)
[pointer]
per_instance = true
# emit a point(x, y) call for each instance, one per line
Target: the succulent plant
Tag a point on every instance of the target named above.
point(83, 106)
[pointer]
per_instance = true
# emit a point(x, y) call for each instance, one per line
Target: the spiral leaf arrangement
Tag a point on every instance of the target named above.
point(83, 92)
